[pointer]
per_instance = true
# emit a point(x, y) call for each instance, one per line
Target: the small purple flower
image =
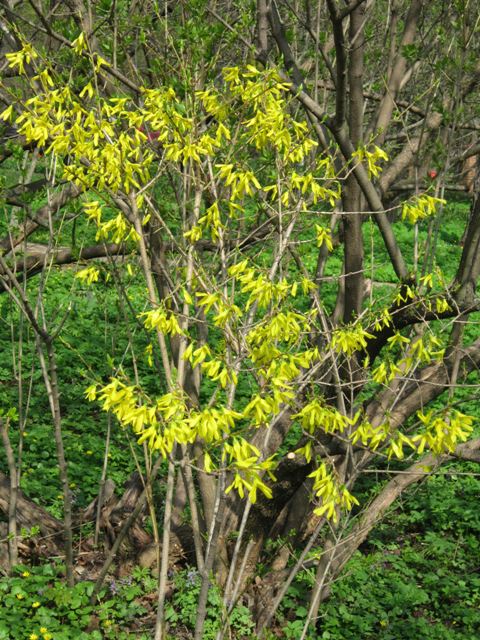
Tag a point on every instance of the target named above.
point(192, 576)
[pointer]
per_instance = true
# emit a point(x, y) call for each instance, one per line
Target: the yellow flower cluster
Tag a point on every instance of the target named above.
point(420, 207)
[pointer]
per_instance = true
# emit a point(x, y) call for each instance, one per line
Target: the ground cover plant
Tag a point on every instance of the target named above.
point(238, 276)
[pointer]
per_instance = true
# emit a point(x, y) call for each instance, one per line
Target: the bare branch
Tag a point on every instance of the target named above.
point(398, 72)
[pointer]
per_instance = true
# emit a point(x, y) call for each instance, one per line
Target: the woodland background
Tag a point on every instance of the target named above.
point(239, 245)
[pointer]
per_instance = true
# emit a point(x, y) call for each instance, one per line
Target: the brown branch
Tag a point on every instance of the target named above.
point(415, 311)
point(465, 452)
point(405, 157)
point(9, 283)
point(318, 45)
point(469, 268)
point(431, 382)
point(471, 151)
point(366, 185)
point(340, 65)
point(262, 31)
point(406, 106)
point(394, 488)
point(37, 257)
point(13, 493)
point(47, 29)
point(278, 32)
point(375, 204)
point(352, 294)
point(142, 498)
point(398, 72)
point(28, 514)
point(41, 217)
point(33, 264)
point(351, 6)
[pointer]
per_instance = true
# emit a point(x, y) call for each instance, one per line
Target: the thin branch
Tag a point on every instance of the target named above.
point(47, 29)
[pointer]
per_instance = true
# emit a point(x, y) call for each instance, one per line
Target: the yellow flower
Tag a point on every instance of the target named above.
point(36, 604)
point(43, 629)
point(33, 636)
point(47, 636)
point(7, 114)
point(20, 596)
point(91, 392)
point(26, 574)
